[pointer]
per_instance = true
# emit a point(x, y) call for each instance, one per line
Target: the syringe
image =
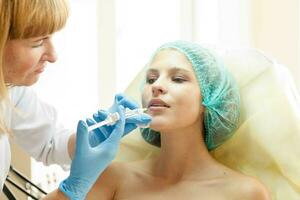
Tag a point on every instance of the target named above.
point(112, 118)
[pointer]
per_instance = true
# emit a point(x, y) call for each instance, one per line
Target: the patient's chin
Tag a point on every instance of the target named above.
point(160, 123)
point(158, 126)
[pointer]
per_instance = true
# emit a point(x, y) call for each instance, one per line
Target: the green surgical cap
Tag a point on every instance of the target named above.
point(220, 94)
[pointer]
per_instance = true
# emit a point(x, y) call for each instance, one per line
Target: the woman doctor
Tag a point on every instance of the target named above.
point(25, 48)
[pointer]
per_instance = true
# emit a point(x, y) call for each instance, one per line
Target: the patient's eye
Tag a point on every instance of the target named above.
point(150, 79)
point(178, 79)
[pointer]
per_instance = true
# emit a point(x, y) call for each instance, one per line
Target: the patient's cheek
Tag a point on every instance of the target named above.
point(144, 104)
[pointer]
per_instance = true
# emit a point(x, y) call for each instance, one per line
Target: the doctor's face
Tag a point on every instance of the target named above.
point(26, 59)
point(171, 93)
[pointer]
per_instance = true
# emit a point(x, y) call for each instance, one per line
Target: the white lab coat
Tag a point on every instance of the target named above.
point(35, 130)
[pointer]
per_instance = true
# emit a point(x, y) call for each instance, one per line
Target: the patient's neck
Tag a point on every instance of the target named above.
point(183, 153)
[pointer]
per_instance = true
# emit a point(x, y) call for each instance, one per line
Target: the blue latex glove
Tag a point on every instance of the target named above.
point(100, 134)
point(89, 162)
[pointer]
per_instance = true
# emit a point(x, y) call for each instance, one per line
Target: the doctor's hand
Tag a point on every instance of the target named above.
point(89, 162)
point(100, 134)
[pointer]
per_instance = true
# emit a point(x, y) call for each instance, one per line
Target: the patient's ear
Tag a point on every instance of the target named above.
point(201, 120)
point(202, 109)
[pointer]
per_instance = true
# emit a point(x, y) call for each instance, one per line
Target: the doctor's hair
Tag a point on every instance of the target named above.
point(23, 19)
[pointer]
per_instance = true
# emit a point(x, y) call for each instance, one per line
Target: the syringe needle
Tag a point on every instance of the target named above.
point(130, 113)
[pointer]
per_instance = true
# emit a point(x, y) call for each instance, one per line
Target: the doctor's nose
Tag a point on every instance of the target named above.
point(52, 57)
point(50, 53)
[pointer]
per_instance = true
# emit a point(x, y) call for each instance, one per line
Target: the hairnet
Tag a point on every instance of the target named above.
point(220, 94)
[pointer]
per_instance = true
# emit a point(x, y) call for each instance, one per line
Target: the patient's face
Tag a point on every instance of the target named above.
point(171, 93)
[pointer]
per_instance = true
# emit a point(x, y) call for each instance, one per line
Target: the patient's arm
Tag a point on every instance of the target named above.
point(107, 184)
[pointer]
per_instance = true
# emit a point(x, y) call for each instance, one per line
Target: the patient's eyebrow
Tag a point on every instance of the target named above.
point(151, 70)
point(178, 69)
point(171, 70)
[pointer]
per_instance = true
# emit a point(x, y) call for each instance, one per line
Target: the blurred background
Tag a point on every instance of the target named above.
point(107, 42)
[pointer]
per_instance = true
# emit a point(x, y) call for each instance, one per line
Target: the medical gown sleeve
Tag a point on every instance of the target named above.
point(35, 128)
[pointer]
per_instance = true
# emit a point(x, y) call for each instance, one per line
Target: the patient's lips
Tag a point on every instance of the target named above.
point(157, 105)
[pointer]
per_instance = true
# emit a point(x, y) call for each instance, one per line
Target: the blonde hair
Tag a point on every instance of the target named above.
point(22, 19)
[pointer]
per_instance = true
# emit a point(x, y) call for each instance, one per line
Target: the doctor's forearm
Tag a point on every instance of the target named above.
point(71, 145)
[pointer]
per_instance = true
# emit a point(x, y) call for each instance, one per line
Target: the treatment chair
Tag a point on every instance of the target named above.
point(267, 143)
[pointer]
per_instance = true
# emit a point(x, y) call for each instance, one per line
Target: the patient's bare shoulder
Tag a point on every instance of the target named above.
point(256, 190)
point(108, 182)
point(249, 188)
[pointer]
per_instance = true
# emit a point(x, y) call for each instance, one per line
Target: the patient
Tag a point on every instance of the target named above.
point(194, 103)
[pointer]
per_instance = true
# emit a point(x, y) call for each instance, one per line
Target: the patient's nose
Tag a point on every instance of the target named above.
point(158, 90)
